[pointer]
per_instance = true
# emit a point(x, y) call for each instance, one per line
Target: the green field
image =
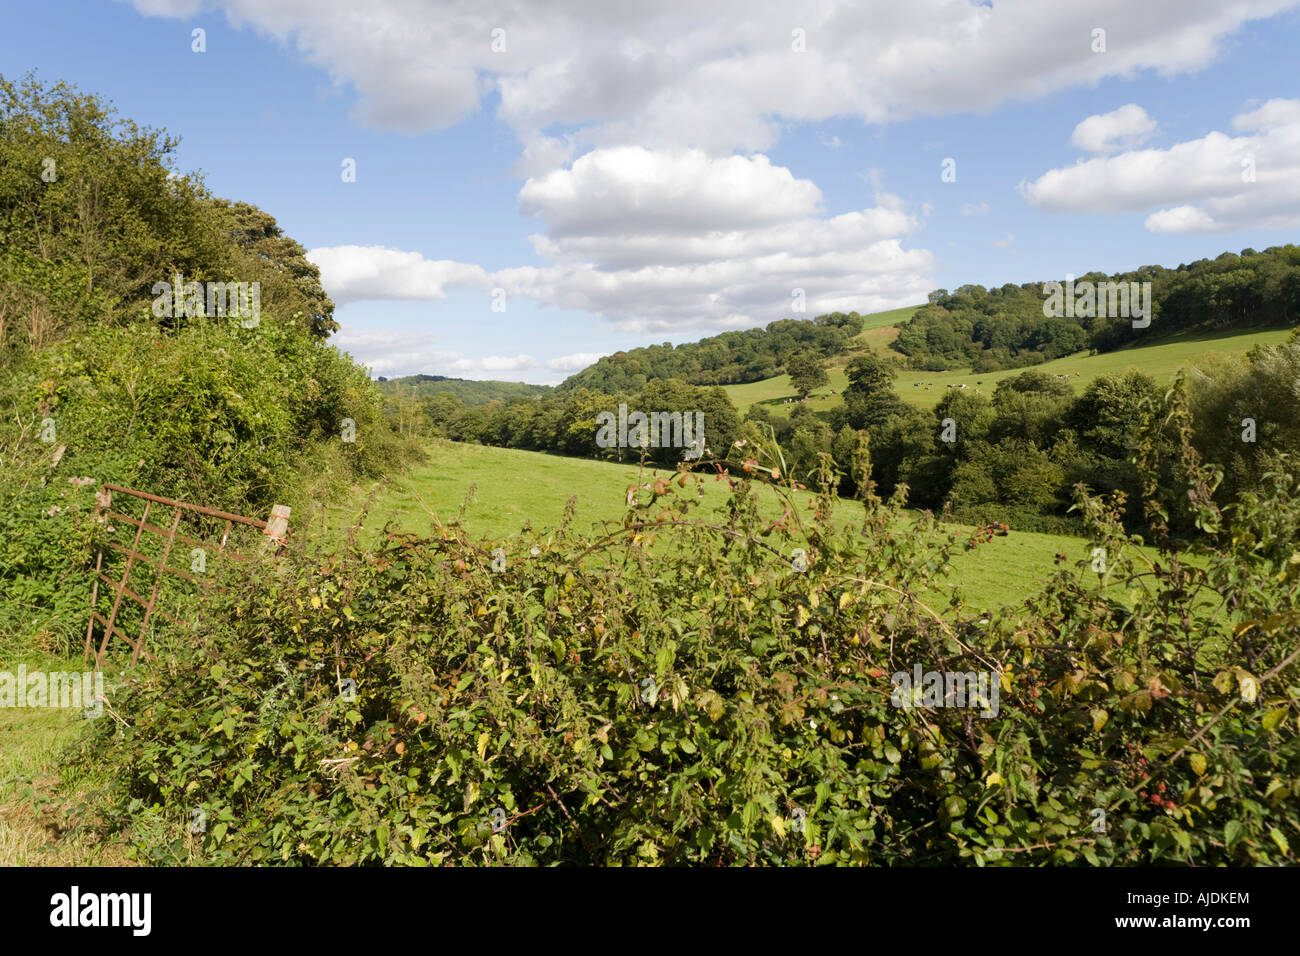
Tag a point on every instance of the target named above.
point(1161, 360)
point(878, 330)
point(891, 317)
point(775, 391)
point(515, 489)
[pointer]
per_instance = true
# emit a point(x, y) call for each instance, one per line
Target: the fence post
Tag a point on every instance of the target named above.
point(277, 526)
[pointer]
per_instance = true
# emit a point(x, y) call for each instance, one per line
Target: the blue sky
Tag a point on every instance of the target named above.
point(626, 175)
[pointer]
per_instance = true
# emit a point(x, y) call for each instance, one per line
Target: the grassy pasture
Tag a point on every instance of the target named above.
point(516, 488)
point(888, 319)
point(1161, 360)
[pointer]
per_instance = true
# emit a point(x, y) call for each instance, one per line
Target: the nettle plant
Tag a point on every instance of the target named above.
point(686, 687)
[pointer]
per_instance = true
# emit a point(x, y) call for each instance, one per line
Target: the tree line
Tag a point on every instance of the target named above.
point(750, 355)
point(568, 422)
point(1004, 328)
point(1017, 456)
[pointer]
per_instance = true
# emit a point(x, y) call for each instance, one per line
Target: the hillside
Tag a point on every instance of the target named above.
point(468, 392)
point(748, 355)
point(1161, 360)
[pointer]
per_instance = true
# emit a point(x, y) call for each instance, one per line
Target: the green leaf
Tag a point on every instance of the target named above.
point(664, 659)
point(1232, 832)
point(1280, 839)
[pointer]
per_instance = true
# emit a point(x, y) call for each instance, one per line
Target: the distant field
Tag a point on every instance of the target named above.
point(877, 320)
point(515, 488)
point(1161, 360)
point(774, 391)
point(878, 330)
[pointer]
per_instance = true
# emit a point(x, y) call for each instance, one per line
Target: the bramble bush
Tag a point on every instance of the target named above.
point(671, 690)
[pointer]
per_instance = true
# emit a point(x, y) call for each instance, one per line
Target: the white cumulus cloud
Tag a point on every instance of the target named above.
point(353, 273)
point(725, 76)
point(1217, 183)
point(625, 189)
point(674, 241)
point(575, 362)
point(1123, 128)
point(393, 353)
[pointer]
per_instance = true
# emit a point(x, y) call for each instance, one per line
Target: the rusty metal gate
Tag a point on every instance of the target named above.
point(200, 523)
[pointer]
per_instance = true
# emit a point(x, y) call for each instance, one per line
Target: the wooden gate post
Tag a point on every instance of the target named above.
point(277, 526)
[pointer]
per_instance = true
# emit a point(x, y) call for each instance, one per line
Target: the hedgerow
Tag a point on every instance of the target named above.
point(670, 690)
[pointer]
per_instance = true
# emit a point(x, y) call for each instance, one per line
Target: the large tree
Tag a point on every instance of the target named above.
point(807, 373)
point(93, 214)
point(290, 284)
point(98, 195)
